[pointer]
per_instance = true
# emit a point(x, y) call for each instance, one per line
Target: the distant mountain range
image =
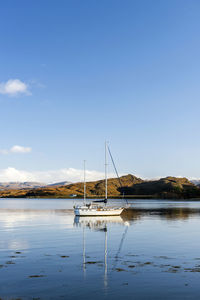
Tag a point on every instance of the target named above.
point(28, 185)
point(59, 183)
point(20, 185)
point(129, 186)
point(196, 182)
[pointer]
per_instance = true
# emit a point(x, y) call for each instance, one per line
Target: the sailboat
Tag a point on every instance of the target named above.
point(94, 208)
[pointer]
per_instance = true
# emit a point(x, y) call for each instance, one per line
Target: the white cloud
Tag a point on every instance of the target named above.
point(51, 176)
point(14, 87)
point(20, 149)
point(16, 149)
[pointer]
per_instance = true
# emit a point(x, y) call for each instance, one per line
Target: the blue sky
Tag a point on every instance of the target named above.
point(74, 73)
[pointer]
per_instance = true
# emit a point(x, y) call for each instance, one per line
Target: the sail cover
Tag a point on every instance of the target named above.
point(101, 201)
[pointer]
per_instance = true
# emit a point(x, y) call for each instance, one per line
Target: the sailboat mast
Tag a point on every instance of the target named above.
point(84, 197)
point(106, 179)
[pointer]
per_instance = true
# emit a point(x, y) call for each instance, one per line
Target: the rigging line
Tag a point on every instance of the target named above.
point(115, 170)
point(114, 165)
point(120, 247)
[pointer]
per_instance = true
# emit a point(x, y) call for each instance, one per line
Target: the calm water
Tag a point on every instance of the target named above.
point(150, 252)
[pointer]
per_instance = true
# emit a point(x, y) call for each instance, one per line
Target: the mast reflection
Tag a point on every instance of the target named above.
point(100, 224)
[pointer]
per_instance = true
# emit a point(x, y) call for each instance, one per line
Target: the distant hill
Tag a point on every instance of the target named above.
point(131, 186)
point(196, 182)
point(20, 185)
point(94, 188)
point(29, 185)
point(59, 183)
point(168, 187)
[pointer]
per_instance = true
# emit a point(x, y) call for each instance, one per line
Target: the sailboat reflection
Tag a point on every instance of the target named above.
point(97, 223)
point(100, 224)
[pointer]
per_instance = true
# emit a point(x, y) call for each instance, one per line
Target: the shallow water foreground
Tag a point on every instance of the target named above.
point(151, 252)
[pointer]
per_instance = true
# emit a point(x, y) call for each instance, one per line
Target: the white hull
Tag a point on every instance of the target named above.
point(107, 211)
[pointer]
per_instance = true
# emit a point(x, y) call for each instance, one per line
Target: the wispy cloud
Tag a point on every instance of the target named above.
point(49, 176)
point(16, 149)
point(20, 149)
point(14, 87)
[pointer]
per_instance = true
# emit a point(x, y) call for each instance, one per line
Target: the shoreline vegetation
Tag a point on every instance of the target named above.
point(129, 186)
